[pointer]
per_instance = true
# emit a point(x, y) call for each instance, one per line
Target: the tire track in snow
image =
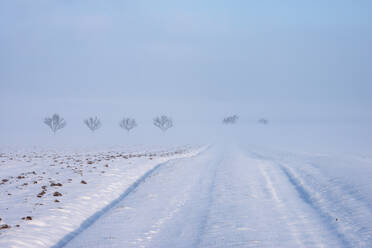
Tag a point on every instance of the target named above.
point(254, 205)
point(333, 203)
point(279, 204)
point(331, 199)
point(166, 211)
point(91, 220)
point(305, 222)
point(204, 219)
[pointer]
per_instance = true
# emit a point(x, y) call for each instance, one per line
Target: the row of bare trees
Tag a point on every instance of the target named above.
point(163, 122)
point(56, 123)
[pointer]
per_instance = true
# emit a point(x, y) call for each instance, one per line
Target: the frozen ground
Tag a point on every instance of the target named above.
point(223, 196)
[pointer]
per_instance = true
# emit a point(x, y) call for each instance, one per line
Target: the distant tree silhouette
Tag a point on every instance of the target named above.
point(93, 123)
point(55, 123)
point(128, 123)
point(163, 122)
point(263, 121)
point(230, 119)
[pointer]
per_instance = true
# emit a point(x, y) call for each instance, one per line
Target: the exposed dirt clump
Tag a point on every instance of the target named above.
point(27, 218)
point(56, 184)
point(41, 194)
point(57, 194)
point(4, 226)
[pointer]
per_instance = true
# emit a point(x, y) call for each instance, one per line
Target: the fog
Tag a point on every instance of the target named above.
point(304, 65)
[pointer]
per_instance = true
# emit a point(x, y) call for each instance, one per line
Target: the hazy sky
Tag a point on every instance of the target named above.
point(290, 60)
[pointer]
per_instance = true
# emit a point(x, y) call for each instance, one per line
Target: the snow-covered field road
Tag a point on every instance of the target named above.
point(48, 194)
point(221, 196)
point(241, 198)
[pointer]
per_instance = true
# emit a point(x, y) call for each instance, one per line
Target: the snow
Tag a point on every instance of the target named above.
point(222, 196)
point(89, 181)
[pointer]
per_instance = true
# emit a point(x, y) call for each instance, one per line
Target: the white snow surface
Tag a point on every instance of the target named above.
point(90, 181)
point(220, 196)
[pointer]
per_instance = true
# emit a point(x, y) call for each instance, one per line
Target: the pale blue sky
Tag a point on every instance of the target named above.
point(289, 60)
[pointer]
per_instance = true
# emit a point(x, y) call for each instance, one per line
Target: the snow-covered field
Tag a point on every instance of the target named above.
point(217, 196)
point(46, 194)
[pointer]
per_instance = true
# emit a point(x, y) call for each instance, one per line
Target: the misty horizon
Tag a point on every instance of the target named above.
point(304, 66)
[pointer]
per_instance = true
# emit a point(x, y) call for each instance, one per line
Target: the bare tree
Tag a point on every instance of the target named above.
point(128, 123)
point(230, 119)
point(263, 121)
point(93, 123)
point(163, 122)
point(55, 123)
